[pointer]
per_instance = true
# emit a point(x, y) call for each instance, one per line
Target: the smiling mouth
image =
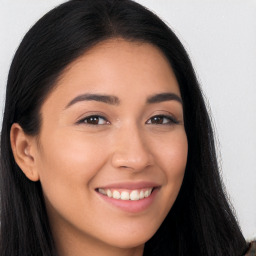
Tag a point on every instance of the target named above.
point(133, 195)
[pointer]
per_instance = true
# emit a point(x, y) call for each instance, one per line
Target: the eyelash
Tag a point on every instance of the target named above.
point(170, 120)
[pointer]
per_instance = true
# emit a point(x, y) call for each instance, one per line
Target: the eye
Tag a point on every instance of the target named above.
point(162, 119)
point(94, 120)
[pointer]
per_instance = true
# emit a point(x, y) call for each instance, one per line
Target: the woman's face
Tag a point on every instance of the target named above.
point(112, 128)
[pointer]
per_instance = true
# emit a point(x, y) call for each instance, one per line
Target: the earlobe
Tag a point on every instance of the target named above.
point(22, 148)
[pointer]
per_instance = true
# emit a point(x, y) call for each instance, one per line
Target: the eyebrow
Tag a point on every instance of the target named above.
point(113, 100)
point(109, 99)
point(163, 97)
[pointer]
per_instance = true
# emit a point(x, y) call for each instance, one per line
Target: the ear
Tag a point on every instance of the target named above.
point(23, 148)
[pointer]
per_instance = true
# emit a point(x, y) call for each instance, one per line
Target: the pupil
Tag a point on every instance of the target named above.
point(157, 120)
point(94, 120)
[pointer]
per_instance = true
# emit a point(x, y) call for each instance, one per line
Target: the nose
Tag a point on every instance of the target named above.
point(131, 150)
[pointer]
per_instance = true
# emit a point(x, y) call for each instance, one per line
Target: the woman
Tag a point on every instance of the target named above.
point(106, 145)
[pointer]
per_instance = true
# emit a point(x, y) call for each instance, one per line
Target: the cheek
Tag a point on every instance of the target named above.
point(171, 157)
point(72, 153)
point(172, 152)
point(67, 163)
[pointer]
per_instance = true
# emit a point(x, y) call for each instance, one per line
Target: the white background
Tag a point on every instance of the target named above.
point(220, 37)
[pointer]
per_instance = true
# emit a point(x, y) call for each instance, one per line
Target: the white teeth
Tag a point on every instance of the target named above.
point(133, 195)
point(109, 193)
point(142, 194)
point(116, 194)
point(147, 193)
point(125, 195)
point(102, 191)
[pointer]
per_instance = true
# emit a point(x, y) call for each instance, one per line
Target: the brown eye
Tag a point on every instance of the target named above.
point(157, 120)
point(94, 120)
point(161, 119)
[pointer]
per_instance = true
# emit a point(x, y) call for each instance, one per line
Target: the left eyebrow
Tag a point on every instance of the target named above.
point(163, 97)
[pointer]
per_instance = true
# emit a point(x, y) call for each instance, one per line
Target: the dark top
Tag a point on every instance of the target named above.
point(252, 249)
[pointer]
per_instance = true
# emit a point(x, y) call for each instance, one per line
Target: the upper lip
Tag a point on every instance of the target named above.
point(131, 185)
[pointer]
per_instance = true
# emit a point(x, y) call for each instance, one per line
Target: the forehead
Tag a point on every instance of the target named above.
point(120, 67)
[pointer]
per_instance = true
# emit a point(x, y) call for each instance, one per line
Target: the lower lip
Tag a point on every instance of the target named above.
point(130, 205)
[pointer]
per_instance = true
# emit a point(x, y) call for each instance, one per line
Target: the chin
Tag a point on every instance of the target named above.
point(131, 239)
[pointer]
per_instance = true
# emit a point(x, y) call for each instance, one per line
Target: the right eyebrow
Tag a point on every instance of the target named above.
point(108, 99)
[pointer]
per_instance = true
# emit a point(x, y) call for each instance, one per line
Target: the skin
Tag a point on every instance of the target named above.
point(72, 158)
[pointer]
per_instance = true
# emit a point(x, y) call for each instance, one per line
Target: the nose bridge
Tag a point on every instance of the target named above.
point(131, 149)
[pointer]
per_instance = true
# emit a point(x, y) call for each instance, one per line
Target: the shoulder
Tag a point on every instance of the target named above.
point(252, 249)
